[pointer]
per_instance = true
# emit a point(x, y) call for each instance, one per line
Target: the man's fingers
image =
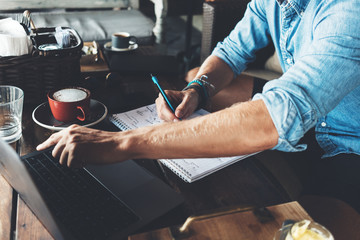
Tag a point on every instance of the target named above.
point(163, 110)
point(58, 149)
point(64, 158)
point(52, 140)
point(75, 162)
point(185, 108)
point(183, 111)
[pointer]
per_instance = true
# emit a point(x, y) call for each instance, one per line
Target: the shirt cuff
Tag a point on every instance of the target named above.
point(286, 120)
point(237, 66)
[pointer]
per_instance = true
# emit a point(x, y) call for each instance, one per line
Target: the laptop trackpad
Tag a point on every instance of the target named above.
point(121, 177)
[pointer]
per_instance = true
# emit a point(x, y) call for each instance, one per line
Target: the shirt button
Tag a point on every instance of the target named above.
point(288, 61)
point(323, 124)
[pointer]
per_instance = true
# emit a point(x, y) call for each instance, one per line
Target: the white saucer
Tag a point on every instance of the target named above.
point(43, 117)
point(132, 47)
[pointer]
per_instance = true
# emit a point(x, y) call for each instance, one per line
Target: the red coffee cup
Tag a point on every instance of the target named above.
point(70, 103)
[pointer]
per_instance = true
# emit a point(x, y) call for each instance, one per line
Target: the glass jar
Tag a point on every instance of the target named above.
point(303, 230)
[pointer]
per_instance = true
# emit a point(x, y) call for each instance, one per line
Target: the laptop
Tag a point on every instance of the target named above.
point(96, 202)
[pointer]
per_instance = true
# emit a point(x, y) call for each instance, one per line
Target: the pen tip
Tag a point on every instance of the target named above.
point(151, 75)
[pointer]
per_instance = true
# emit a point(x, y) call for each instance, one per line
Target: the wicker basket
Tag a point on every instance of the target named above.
point(42, 71)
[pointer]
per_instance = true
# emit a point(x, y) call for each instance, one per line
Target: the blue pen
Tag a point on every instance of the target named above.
point(154, 79)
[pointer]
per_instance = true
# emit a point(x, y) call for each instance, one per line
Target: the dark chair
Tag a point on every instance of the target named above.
point(340, 218)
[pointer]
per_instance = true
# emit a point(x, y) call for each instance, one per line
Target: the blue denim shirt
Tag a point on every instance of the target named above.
point(318, 45)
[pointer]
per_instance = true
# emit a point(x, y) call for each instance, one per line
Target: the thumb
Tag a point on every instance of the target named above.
point(185, 109)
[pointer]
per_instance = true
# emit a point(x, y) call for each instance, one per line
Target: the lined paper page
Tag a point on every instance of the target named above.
point(141, 117)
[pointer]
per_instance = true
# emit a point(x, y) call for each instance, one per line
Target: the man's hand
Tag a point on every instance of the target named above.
point(186, 102)
point(77, 146)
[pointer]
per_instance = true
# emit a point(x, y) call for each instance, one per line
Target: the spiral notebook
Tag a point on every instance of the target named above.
point(189, 169)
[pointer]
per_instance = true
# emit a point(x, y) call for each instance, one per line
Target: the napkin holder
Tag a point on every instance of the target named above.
point(44, 69)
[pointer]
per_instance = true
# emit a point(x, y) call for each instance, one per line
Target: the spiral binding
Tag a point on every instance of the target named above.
point(177, 169)
point(119, 123)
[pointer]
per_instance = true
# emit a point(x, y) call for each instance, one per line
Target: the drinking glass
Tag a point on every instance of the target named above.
point(11, 107)
point(303, 230)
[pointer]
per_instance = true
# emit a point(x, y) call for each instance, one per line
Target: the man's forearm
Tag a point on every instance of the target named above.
point(242, 129)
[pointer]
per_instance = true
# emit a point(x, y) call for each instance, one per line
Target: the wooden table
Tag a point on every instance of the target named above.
point(240, 224)
point(242, 183)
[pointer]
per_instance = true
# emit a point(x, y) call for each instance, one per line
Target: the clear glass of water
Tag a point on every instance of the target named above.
point(11, 108)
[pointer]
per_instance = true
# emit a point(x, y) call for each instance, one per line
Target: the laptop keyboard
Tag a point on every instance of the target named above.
point(78, 200)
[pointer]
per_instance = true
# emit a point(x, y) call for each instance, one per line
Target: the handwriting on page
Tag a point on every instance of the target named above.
point(141, 117)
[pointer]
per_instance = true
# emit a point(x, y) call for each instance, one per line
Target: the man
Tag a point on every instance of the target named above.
point(318, 47)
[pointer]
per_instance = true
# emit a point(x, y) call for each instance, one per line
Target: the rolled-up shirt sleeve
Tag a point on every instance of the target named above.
point(318, 81)
point(290, 123)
